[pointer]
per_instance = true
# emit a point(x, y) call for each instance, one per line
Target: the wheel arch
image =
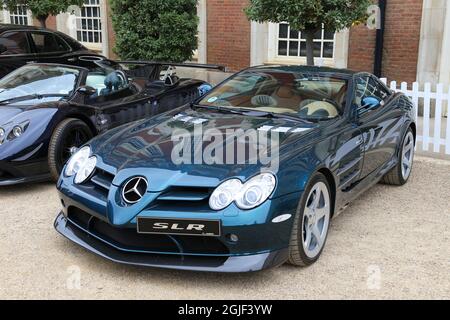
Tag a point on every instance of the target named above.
point(332, 183)
point(413, 127)
point(83, 118)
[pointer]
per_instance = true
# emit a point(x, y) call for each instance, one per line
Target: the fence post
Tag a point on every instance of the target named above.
point(437, 117)
point(394, 85)
point(404, 88)
point(426, 117)
point(415, 98)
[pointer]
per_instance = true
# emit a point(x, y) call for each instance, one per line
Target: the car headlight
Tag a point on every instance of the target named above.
point(246, 196)
point(17, 131)
point(256, 190)
point(86, 171)
point(2, 135)
point(225, 194)
point(81, 165)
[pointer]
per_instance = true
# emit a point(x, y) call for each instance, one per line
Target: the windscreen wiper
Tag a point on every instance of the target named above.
point(32, 97)
point(223, 109)
point(277, 116)
point(252, 113)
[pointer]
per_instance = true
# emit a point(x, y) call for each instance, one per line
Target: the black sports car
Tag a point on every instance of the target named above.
point(20, 45)
point(48, 110)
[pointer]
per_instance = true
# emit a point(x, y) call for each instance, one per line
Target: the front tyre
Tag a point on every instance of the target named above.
point(400, 174)
point(68, 136)
point(311, 223)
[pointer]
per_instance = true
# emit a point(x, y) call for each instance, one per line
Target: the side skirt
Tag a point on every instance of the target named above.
point(366, 183)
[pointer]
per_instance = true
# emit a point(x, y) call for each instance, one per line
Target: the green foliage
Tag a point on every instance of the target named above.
point(43, 8)
point(159, 30)
point(309, 14)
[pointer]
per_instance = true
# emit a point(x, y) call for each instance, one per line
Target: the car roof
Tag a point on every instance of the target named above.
point(8, 27)
point(74, 44)
point(342, 73)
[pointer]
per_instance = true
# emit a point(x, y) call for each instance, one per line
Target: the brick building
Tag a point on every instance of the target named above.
point(416, 38)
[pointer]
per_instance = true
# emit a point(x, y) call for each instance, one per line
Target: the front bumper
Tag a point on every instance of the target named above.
point(211, 263)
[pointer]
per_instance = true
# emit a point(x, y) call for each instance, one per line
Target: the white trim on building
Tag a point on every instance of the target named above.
point(87, 24)
point(201, 52)
point(265, 40)
point(434, 47)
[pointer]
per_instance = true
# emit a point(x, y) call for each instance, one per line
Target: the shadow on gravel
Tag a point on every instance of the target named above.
point(22, 188)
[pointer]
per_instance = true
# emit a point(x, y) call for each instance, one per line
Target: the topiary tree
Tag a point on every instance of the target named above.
point(159, 30)
point(41, 9)
point(308, 16)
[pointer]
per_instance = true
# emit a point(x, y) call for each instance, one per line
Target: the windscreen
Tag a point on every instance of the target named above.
point(302, 94)
point(39, 79)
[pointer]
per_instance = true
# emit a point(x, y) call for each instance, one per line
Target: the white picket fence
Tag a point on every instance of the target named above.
point(430, 129)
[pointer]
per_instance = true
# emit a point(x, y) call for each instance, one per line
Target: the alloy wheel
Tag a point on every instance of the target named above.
point(407, 155)
point(316, 219)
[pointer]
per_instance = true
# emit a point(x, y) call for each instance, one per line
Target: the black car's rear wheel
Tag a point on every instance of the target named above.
point(68, 136)
point(311, 222)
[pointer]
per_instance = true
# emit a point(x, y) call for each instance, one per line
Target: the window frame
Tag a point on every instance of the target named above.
point(273, 56)
point(380, 85)
point(33, 44)
point(96, 46)
point(8, 14)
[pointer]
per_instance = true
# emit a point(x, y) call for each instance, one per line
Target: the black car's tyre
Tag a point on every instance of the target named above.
point(69, 135)
point(400, 174)
point(311, 222)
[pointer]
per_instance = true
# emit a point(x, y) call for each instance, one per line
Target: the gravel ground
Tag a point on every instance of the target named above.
point(391, 243)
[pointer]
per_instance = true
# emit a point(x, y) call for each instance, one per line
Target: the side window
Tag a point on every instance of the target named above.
point(369, 92)
point(380, 91)
point(96, 80)
point(109, 86)
point(14, 43)
point(62, 45)
point(47, 43)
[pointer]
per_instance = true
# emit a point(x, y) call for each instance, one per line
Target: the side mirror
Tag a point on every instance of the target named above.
point(87, 90)
point(368, 103)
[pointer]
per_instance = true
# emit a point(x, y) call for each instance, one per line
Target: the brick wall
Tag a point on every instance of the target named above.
point(401, 42)
point(228, 35)
point(401, 39)
point(361, 48)
point(50, 22)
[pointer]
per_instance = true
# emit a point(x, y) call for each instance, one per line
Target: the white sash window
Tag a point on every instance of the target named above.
point(89, 25)
point(19, 16)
